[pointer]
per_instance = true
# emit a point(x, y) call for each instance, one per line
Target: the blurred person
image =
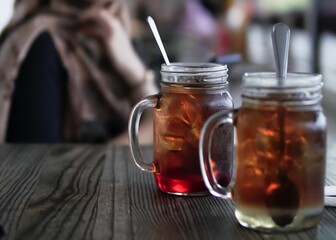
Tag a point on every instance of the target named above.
point(69, 73)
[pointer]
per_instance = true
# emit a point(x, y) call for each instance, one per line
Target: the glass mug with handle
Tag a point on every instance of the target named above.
point(190, 93)
point(280, 153)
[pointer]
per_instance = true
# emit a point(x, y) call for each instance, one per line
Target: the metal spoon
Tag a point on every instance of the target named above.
point(157, 37)
point(282, 194)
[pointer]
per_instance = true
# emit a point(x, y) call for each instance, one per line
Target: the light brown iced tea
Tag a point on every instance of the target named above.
point(259, 171)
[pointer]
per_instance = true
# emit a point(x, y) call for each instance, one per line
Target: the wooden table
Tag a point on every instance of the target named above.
point(96, 192)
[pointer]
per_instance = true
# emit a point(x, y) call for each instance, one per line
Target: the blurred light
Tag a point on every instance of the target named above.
point(6, 7)
point(283, 6)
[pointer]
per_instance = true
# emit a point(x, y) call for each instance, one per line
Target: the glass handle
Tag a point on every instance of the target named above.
point(209, 127)
point(133, 131)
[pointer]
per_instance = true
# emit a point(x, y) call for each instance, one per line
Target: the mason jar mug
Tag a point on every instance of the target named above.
point(280, 152)
point(190, 93)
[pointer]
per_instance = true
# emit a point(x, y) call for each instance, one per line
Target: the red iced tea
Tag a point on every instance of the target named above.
point(190, 93)
point(261, 165)
point(178, 122)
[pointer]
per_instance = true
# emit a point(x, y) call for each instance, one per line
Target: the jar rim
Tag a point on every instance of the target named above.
point(269, 80)
point(190, 67)
point(194, 73)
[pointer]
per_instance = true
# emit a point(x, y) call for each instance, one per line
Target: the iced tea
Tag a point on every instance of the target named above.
point(178, 122)
point(280, 152)
point(260, 164)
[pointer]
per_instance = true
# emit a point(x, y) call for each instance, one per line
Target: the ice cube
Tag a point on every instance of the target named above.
point(172, 126)
point(191, 111)
point(168, 143)
point(192, 137)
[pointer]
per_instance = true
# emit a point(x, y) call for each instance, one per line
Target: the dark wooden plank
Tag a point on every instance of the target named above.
point(65, 202)
point(20, 168)
point(122, 222)
point(327, 227)
point(103, 222)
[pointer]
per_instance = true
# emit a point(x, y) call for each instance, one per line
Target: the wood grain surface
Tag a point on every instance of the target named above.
point(96, 192)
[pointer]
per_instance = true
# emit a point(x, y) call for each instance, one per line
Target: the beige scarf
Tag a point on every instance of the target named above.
point(98, 96)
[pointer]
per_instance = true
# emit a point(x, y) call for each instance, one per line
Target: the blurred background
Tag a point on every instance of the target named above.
point(236, 32)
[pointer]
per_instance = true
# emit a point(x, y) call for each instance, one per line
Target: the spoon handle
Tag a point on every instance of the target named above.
point(280, 39)
point(156, 34)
